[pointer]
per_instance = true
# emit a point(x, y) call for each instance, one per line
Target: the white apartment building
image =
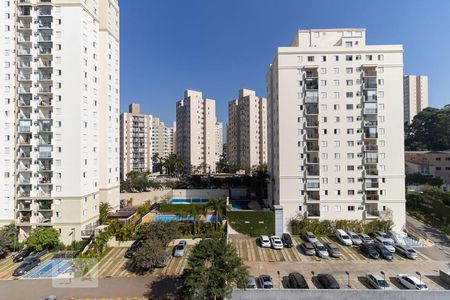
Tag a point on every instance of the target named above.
point(335, 132)
point(247, 130)
point(196, 131)
point(141, 137)
point(59, 88)
point(219, 141)
point(415, 93)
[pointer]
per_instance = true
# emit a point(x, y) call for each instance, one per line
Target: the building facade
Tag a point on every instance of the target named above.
point(141, 137)
point(219, 141)
point(247, 130)
point(429, 163)
point(196, 132)
point(415, 93)
point(60, 93)
point(335, 132)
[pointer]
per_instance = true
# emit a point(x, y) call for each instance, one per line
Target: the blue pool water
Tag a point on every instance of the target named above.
point(51, 269)
point(190, 200)
point(169, 218)
point(240, 205)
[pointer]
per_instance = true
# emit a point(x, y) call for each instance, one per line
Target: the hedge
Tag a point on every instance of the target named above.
point(327, 227)
point(253, 223)
point(179, 208)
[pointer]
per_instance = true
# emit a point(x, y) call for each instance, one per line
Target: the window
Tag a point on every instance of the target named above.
point(323, 71)
point(310, 58)
point(349, 119)
point(349, 70)
point(380, 57)
point(351, 208)
point(336, 70)
point(348, 44)
point(323, 83)
point(336, 82)
point(299, 59)
point(349, 82)
point(336, 95)
point(350, 180)
point(369, 57)
point(349, 106)
point(349, 94)
point(348, 57)
point(351, 192)
point(324, 58)
point(358, 57)
point(336, 58)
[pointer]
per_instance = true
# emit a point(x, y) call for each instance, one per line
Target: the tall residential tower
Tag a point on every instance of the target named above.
point(335, 129)
point(60, 95)
point(415, 93)
point(247, 130)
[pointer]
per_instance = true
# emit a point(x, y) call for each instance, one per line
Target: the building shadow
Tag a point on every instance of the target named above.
point(164, 287)
point(438, 281)
point(394, 282)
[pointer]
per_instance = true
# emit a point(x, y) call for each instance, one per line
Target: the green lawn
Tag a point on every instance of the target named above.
point(179, 208)
point(253, 223)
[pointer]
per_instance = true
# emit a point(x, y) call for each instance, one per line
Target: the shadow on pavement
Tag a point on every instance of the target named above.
point(164, 288)
point(364, 282)
point(438, 281)
point(395, 283)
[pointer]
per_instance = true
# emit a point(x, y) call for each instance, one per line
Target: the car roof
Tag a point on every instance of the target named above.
point(376, 275)
point(341, 231)
point(308, 244)
point(274, 237)
point(352, 233)
point(265, 237)
point(332, 245)
point(318, 244)
point(309, 233)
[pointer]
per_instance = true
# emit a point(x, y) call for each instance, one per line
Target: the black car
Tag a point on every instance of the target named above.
point(26, 266)
point(369, 250)
point(133, 249)
point(287, 240)
point(384, 252)
point(328, 281)
point(22, 255)
point(297, 281)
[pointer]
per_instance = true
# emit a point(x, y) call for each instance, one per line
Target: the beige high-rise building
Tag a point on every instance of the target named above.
point(141, 137)
point(247, 130)
point(219, 141)
point(415, 93)
point(196, 131)
point(335, 131)
point(60, 94)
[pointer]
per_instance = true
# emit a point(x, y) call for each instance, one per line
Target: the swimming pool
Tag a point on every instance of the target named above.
point(187, 201)
point(170, 218)
point(51, 269)
point(240, 205)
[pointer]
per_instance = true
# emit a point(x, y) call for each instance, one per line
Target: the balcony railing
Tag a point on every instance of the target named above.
point(371, 172)
point(372, 197)
point(312, 123)
point(313, 213)
point(45, 154)
point(371, 160)
point(368, 111)
point(372, 185)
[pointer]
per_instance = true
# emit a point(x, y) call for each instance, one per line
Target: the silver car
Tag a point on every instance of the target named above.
point(356, 240)
point(251, 285)
point(180, 249)
point(406, 251)
point(310, 237)
point(377, 281)
point(321, 251)
point(386, 243)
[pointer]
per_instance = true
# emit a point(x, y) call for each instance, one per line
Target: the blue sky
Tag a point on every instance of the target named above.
point(217, 47)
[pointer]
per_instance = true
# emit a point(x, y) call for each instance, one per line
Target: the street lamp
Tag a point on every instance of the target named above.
point(279, 279)
point(420, 276)
point(348, 278)
point(384, 278)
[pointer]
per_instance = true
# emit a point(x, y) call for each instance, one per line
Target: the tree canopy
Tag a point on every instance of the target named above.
point(213, 269)
point(149, 254)
point(429, 130)
point(43, 238)
point(162, 231)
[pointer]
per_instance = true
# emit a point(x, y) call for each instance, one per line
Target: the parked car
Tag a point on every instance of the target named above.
point(366, 239)
point(369, 250)
point(377, 281)
point(411, 282)
point(328, 281)
point(180, 249)
point(406, 251)
point(343, 237)
point(276, 242)
point(333, 250)
point(385, 236)
point(310, 237)
point(384, 252)
point(164, 262)
point(287, 240)
point(265, 282)
point(251, 285)
point(396, 237)
point(321, 251)
point(133, 249)
point(356, 240)
point(264, 241)
point(385, 242)
point(26, 266)
point(19, 257)
point(308, 248)
point(297, 281)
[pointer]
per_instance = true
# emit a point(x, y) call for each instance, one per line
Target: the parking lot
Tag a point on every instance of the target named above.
point(7, 266)
point(279, 263)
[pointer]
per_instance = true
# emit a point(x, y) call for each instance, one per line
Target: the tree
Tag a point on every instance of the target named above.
point(105, 210)
point(149, 254)
point(162, 231)
point(157, 162)
point(173, 165)
point(195, 212)
point(43, 238)
point(219, 206)
point(8, 236)
point(213, 269)
point(429, 130)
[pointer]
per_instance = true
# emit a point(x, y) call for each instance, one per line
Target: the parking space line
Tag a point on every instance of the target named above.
point(250, 251)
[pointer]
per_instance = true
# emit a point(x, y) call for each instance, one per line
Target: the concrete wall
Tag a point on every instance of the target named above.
point(204, 193)
point(139, 198)
point(339, 294)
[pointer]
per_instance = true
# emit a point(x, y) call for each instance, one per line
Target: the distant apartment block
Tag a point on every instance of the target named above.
point(415, 93)
point(60, 98)
point(247, 130)
point(219, 140)
point(335, 132)
point(429, 163)
point(141, 137)
point(196, 131)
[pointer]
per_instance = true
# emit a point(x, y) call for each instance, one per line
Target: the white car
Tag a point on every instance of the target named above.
point(321, 250)
point(377, 281)
point(310, 237)
point(356, 240)
point(276, 242)
point(386, 243)
point(385, 236)
point(343, 237)
point(411, 282)
point(406, 251)
point(265, 241)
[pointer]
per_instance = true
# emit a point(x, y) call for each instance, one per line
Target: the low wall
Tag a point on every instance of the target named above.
point(114, 243)
point(199, 193)
point(139, 198)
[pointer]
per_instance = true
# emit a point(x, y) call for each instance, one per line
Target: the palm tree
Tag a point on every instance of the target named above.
point(194, 211)
point(219, 206)
point(173, 164)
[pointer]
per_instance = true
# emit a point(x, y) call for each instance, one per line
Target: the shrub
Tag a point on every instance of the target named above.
point(327, 227)
point(43, 238)
point(179, 208)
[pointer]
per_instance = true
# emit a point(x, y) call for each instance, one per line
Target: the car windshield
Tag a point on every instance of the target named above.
point(180, 247)
point(321, 248)
point(386, 243)
point(422, 286)
point(345, 237)
point(382, 283)
point(355, 237)
point(311, 236)
point(411, 250)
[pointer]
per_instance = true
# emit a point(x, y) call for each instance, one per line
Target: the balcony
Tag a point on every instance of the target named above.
point(313, 196)
point(44, 191)
point(371, 214)
point(25, 11)
point(311, 84)
point(24, 181)
point(24, 205)
point(312, 184)
point(44, 204)
point(44, 218)
point(45, 76)
point(24, 153)
point(371, 160)
point(369, 196)
point(312, 146)
point(370, 148)
point(311, 97)
point(313, 211)
point(24, 193)
point(371, 184)
point(312, 158)
point(370, 96)
point(45, 50)
point(45, 126)
point(45, 167)
point(311, 109)
point(313, 170)
point(24, 218)
point(371, 133)
point(370, 111)
point(312, 123)
point(45, 11)
point(312, 134)
point(24, 51)
point(45, 139)
point(45, 22)
point(369, 83)
point(371, 172)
